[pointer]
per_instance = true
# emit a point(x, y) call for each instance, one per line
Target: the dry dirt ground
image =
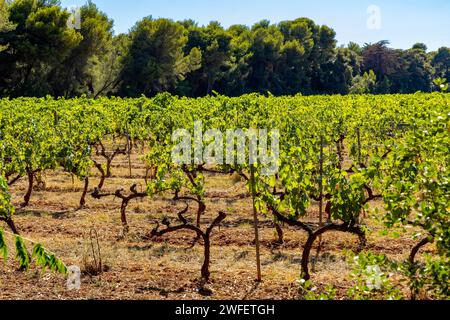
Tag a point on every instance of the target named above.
point(165, 268)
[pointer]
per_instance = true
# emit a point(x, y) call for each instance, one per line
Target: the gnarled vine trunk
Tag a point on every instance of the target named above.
point(27, 197)
point(85, 190)
point(316, 234)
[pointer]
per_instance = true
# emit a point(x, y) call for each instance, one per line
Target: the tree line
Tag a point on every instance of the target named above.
point(40, 54)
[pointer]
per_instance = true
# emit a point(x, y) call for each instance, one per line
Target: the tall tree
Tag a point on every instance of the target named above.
point(266, 43)
point(79, 73)
point(322, 59)
point(107, 68)
point(341, 71)
point(156, 61)
point(363, 84)
point(37, 46)
point(441, 63)
point(215, 46)
point(294, 66)
point(354, 47)
point(234, 83)
point(413, 72)
point(381, 59)
point(5, 24)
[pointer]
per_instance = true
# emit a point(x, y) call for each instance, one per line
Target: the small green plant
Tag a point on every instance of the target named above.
point(310, 292)
point(373, 274)
point(428, 279)
point(441, 84)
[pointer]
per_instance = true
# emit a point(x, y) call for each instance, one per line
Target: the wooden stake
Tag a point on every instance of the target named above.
point(255, 222)
point(321, 182)
point(129, 153)
point(358, 133)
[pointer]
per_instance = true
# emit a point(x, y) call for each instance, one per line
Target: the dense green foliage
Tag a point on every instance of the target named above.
point(41, 55)
point(395, 146)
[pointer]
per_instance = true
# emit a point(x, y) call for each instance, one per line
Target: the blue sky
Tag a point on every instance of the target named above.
point(403, 22)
